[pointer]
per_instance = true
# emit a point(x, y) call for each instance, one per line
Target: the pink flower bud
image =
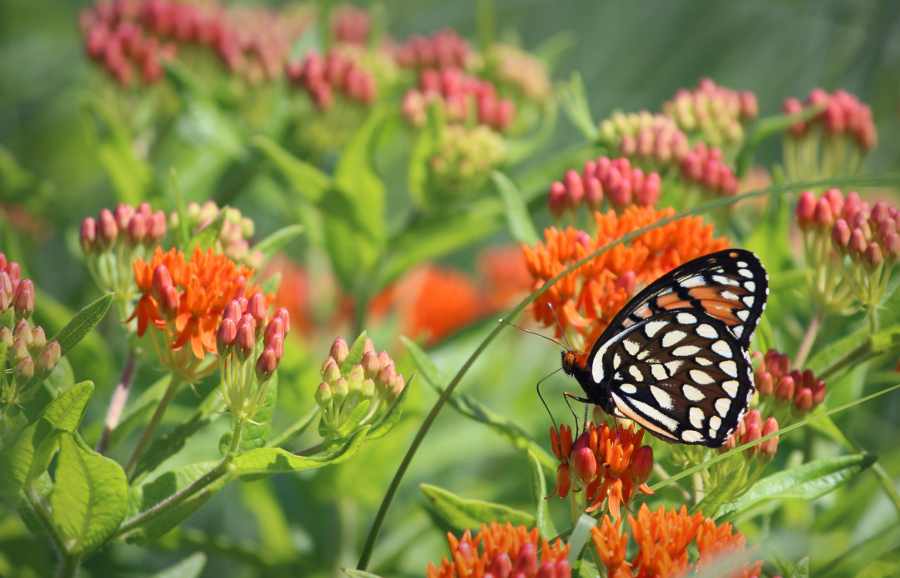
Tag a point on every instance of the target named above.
point(858, 244)
point(245, 340)
point(21, 330)
point(162, 280)
point(256, 307)
point(751, 435)
point(122, 214)
point(547, 570)
point(370, 365)
point(764, 385)
point(892, 247)
point(136, 231)
point(641, 465)
point(526, 562)
point(275, 327)
point(574, 189)
point(369, 346)
point(501, 567)
point(784, 390)
point(384, 360)
point(823, 215)
point(802, 403)
point(873, 257)
point(768, 448)
point(38, 340)
point(169, 303)
point(226, 336)
point(266, 365)
point(88, 235)
point(556, 199)
point(583, 465)
point(387, 377)
point(18, 351)
point(806, 207)
point(649, 194)
point(156, 228)
point(6, 337)
point(840, 236)
point(23, 299)
point(852, 205)
point(48, 359)
point(323, 394)
point(24, 370)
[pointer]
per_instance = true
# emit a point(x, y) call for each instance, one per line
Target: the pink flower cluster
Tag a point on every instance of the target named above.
point(656, 138)
point(801, 390)
point(323, 76)
point(459, 93)
point(615, 180)
point(842, 114)
point(716, 112)
point(137, 227)
point(124, 34)
point(868, 235)
point(705, 166)
point(351, 25)
point(751, 429)
point(441, 49)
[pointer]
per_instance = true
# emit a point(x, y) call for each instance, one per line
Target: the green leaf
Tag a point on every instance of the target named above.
point(533, 183)
point(82, 324)
point(354, 573)
point(264, 462)
point(140, 412)
point(838, 353)
point(111, 143)
point(356, 354)
point(520, 149)
point(886, 566)
point(575, 103)
point(711, 502)
point(256, 432)
point(476, 410)
point(462, 514)
point(190, 567)
point(552, 50)
point(355, 173)
point(90, 497)
point(349, 238)
point(580, 535)
point(539, 495)
point(277, 241)
point(295, 430)
point(801, 570)
point(807, 482)
point(423, 149)
point(351, 422)
point(519, 221)
point(392, 416)
point(142, 498)
point(888, 312)
point(208, 236)
point(486, 24)
point(165, 446)
point(307, 179)
point(29, 456)
point(765, 128)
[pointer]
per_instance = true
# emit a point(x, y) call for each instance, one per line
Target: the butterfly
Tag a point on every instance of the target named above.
point(675, 359)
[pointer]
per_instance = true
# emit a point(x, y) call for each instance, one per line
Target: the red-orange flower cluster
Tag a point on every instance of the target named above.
point(590, 296)
point(185, 298)
point(608, 463)
point(663, 539)
point(506, 551)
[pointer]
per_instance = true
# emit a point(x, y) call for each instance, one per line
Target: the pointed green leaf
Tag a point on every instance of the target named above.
point(423, 149)
point(90, 497)
point(307, 179)
point(765, 128)
point(352, 239)
point(839, 352)
point(295, 430)
point(801, 570)
point(477, 411)
point(264, 462)
point(356, 354)
point(888, 313)
point(575, 103)
point(539, 495)
point(29, 456)
point(190, 567)
point(461, 514)
point(807, 482)
point(517, 218)
point(392, 415)
point(355, 172)
point(711, 502)
point(167, 445)
point(277, 241)
point(351, 422)
point(208, 236)
point(82, 324)
point(354, 573)
point(886, 566)
point(144, 497)
point(580, 536)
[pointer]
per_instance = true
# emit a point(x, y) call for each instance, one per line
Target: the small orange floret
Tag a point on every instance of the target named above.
point(589, 297)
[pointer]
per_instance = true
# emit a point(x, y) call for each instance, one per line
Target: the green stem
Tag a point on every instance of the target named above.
point(68, 565)
point(167, 397)
point(117, 404)
point(809, 338)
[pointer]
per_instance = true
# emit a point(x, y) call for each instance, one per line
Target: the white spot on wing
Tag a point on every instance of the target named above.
point(722, 348)
point(707, 331)
point(631, 347)
point(635, 373)
point(659, 372)
point(743, 315)
point(696, 416)
point(746, 273)
point(741, 264)
point(662, 398)
point(703, 361)
point(628, 388)
point(696, 281)
point(723, 404)
point(729, 295)
point(691, 436)
point(751, 286)
point(642, 418)
point(729, 367)
point(672, 366)
point(731, 387)
point(701, 377)
point(715, 422)
point(748, 300)
point(673, 337)
point(653, 327)
point(686, 319)
point(739, 330)
point(685, 350)
point(723, 280)
point(692, 393)
point(617, 361)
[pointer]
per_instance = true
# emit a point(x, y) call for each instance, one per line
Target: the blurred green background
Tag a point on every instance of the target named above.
point(632, 56)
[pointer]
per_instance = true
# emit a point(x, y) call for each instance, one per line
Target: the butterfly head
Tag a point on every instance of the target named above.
point(574, 362)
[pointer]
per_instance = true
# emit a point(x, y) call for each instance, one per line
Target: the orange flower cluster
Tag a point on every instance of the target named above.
point(663, 539)
point(185, 299)
point(590, 296)
point(506, 551)
point(608, 463)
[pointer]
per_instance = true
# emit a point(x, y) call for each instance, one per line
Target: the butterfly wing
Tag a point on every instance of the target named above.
point(731, 285)
point(675, 358)
point(681, 375)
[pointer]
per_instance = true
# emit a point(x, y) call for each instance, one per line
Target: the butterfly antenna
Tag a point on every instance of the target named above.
point(563, 331)
point(542, 398)
point(538, 334)
point(575, 415)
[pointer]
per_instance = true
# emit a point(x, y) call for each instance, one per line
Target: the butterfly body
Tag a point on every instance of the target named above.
point(675, 358)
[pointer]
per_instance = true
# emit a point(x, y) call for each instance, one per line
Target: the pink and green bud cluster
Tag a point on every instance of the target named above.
point(520, 72)
point(713, 114)
point(233, 238)
point(832, 143)
point(360, 394)
point(130, 37)
point(16, 294)
point(789, 393)
point(705, 167)
point(751, 429)
point(337, 73)
point(26, 358)
point(113, 240)
point(351, 25)
point(441, 49)
point(616, 181)
point(462, 97)
point(652, 140)
point(463, 161)
point(250, 345)
point(851, 247)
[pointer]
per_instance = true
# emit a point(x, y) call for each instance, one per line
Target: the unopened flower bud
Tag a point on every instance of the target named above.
point(802, 403)
point(557, 200)
point(18, 351)
point(331, 372)
point(107, 230)
point(768, 448)
point(368, 389)
point(354, 384)
point(23, 299)
point(136, 232)
point(24, 370)
point(275, 327)
point(276, 343)
point(6, 337)
point(266, 365)
point(233, 311)
point(245, 340)
point(47, 360)
point(387, 376)
point(323, 394)
point(88, 235)
point(823, 215)
point(384, 360)
point(873, 257)
point(169, 304)
point(162, 279)
point(563, 481)
point(806, 208)
point(21, 330)
point(730, 444)
point(282, 314)
point(751, 435)
point(501, 567)
point(256, 308)
point(397, 389)
point(574, 189)
point(340, 390)
point(38, 340)
point(369, 346)
point(641, 465)
point(339, 350)
point(784, 390)
point(526, 562)
point(371, 366)
point(357, 370)
point(156, 228)
point(840, 236)
point(583, 465)
point(225, 337)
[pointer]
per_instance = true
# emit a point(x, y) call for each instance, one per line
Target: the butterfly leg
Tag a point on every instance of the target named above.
point(569, 396)
point(545, 403)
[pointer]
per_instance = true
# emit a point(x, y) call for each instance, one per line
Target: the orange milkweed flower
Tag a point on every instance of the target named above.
point(724, 551)
point(589, 297)
point(506, 551)
point(183, 299)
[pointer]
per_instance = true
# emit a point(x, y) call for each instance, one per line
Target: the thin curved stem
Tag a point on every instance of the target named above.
point(117, 404)
point(167, 397)
point(809, 338)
